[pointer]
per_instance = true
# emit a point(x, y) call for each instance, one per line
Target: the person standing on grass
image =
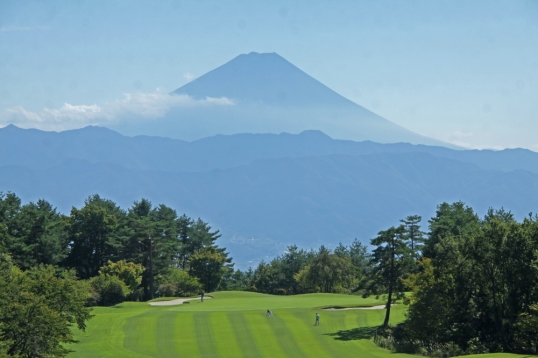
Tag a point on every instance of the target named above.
point(202, 296)
point(317, 320)
point(269, 314)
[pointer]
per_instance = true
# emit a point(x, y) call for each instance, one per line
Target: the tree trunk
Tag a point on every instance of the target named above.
point(389, 301)
point(151, 268)
point(391, 283)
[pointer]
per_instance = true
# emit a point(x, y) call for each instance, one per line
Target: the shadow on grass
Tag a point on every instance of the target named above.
point(353, 334)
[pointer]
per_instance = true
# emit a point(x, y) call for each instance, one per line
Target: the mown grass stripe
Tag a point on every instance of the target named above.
point(187, 344)
point(205, 335)
point(358, 321)
point(285, 335)
point(225, 336)
point(138, 330)
point(311, 338)
point(244, 333)
point(141, 333)
point(108, 327)
point(363, 319)
point(264, 335)
point(333, 324)
point(167, 334)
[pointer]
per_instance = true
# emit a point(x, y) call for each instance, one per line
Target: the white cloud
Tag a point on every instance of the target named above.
point(157, 104)
point(461, 139)
point(470, 141)
point(188, 76)
point(146, 106)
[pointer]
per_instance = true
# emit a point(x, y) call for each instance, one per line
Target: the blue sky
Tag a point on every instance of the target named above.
point(460, 71)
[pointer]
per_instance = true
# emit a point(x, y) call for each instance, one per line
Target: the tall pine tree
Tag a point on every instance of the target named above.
point(391, 261)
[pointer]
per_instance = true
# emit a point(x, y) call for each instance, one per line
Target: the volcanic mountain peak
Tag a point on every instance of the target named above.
point(270, 95)
point(265, 78)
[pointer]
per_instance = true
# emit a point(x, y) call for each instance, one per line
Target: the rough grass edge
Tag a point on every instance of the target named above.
point(383, 338)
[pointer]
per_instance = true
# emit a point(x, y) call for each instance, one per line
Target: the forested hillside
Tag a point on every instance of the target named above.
point(265, 191)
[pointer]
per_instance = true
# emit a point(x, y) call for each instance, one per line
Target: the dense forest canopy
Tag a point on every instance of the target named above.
point(470, 282)
point(476, 288)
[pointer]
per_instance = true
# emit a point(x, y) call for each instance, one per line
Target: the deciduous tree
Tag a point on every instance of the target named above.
point(38, 307)
point(326, 272)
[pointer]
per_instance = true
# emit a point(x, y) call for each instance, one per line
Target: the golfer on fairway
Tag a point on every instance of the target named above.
point(202, 296)
point(317, 320)
point(269, 314)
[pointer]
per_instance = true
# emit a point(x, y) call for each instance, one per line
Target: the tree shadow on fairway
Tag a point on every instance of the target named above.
point(353, 334)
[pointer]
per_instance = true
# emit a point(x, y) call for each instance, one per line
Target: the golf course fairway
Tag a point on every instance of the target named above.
point(234, 324)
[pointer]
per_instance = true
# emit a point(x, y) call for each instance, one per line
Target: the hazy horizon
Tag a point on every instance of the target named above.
point(460, 72)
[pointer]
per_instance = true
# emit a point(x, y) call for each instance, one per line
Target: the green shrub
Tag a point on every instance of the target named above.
point(129, 272)
point(167, 289)
point(281, 291)
point(385, 342)
point(111, 289)
point(179, 283)
point(136, 295)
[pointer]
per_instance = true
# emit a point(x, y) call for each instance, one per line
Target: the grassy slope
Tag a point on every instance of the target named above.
point(233, 324)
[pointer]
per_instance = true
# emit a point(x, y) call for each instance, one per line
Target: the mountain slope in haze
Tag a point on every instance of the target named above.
point(38, 149)
point(265, 78)
point(271, 96)
point(265, 205)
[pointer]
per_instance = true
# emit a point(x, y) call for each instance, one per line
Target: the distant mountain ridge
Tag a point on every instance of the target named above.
point(39, 149)
point(271, 95)
point(263, 206)
point(264, 191)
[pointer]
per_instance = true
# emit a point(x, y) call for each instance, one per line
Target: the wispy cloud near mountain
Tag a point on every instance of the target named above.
point(134, 106)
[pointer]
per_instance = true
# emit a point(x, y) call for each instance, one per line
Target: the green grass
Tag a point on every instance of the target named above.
point(233, 324)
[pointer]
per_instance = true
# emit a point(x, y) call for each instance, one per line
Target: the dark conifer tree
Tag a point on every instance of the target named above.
point(413, 233)
point(391, 260)
point(37, 236)
point(455, 220)
point(91, 233)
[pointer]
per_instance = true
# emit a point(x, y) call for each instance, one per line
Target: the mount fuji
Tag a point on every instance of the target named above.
point(270, 95)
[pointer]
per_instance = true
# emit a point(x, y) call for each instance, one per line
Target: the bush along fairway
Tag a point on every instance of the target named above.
point(234, 324)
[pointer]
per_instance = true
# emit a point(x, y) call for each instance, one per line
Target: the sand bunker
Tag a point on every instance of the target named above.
point(176, 302)
point(380, 307)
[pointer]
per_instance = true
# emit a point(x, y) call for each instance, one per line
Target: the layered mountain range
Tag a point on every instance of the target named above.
point(265, 191)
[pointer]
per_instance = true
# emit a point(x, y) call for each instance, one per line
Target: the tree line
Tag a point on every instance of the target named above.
point(54, 267)
point(474, 286)
point(154, 237)
point(471, 283)
point(345, 269)
point(305, 271)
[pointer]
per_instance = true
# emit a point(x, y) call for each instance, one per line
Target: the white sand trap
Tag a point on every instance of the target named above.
point(380, 307)
point(176, 302)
